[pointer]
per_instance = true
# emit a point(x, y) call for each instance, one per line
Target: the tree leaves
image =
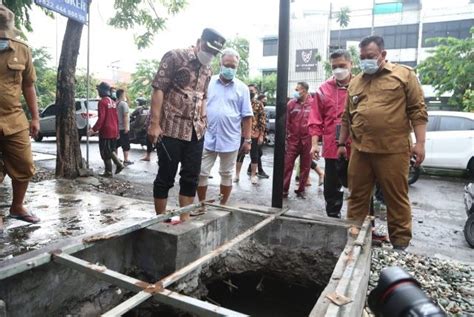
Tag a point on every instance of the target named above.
point(140, 85)
point(145, 15)
point(241, 45)
point(450, 68)
point(343, 17)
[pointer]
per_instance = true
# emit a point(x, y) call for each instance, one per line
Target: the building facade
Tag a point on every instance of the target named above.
point(405, 25)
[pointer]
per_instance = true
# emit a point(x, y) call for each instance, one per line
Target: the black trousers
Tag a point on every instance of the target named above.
point(253, 151)
point(107, 148)
point(260, 168)
point(189, 154)
point(333, 194)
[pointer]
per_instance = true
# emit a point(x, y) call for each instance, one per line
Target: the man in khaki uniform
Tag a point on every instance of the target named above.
point(384, 103)
point(17, 75)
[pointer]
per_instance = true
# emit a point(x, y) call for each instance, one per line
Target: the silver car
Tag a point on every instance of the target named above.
point(48, 118)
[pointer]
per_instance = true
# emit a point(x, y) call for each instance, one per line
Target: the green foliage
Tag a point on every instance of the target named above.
point(81, 84)
point(21, 9)
point(146, 16)
point(46, 77)
point(343, 17)
point(267, 84)
point(241, 45)
point(140, 86)
point(355, 63)
point(450, 68)
point(143, 15)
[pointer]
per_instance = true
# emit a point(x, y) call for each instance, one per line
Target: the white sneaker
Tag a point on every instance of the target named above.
point(254, 179)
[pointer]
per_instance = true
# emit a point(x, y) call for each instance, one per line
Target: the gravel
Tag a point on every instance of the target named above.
point(450, 284)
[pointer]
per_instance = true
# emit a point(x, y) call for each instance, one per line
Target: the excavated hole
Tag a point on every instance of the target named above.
point(260, 294)
point(257, 280)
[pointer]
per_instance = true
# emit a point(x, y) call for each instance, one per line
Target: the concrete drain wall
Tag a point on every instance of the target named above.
point(299, 253)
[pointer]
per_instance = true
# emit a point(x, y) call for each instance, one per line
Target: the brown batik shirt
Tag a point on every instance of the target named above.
point(184, 81)
point(259, 120)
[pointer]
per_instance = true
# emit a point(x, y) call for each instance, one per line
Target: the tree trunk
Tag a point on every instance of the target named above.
point(69, 162)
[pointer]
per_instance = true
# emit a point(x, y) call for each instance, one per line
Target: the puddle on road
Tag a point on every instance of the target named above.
point(66, 210)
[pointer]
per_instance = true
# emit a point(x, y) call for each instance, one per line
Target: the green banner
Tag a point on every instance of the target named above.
point(385, 8)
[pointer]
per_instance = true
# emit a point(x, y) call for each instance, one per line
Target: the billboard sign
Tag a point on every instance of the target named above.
point(307, 60)
point(73, 9)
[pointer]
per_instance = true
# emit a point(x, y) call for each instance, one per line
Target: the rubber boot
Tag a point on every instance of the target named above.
point(108, 168)
point(117, 163)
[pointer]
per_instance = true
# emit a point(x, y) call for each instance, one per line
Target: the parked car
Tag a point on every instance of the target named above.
point(271, 116)
point(450, 141)
point(48, 118)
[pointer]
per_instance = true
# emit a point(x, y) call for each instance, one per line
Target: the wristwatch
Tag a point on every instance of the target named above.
point(249, 140)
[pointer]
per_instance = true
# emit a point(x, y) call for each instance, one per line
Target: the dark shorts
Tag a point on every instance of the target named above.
point(189, 154)
point(107, 147)
point(124, 141)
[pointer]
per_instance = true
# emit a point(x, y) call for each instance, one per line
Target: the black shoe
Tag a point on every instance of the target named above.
point(126, 163)
point(263, 175)
point(301, 195)
point(297, 178)
point(249, 173)
point(399, 247)
point(106, 174)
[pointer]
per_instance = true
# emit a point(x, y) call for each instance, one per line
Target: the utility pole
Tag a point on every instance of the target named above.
point(372, 31)
point(282, 93)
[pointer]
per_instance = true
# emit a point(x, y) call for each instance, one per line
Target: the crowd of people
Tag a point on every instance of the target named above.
point(364, 124)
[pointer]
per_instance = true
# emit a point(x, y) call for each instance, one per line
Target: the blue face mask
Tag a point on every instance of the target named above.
point(369, 66)
point(296, 94)
point(228, 73)
point(4, 44)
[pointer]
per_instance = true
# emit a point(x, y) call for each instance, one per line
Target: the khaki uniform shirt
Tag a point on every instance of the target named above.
point(16, 69)
point(184, 81)
point(382, 108)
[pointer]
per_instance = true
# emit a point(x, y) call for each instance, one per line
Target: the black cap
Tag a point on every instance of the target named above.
point(103, 86)
point(213, 40)
point(104, 89)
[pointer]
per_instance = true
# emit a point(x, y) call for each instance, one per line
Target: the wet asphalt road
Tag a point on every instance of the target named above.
point(438, 209)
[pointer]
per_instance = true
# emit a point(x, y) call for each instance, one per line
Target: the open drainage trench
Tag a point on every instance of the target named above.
point(256, 280)
point(280, 270)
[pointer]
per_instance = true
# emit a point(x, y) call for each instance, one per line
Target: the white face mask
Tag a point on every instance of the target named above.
point(340, 73)
point(204, 58)
point(369, 66)
point(4, 44)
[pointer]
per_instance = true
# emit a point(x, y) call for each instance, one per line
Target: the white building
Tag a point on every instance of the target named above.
point(404, 24)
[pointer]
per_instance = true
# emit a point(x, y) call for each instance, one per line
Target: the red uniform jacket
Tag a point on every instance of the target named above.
point(326, 115)
point(297, 119)
point(107, 124)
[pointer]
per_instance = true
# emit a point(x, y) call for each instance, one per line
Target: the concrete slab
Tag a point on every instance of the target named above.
point(65, 211)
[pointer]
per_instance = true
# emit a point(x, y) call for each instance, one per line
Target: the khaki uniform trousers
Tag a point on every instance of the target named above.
point(391, 172)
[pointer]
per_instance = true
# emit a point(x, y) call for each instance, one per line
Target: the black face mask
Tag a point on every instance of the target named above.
point(252, 95)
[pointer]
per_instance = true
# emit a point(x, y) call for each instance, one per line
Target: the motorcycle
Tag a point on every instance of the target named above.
point(469, 204)
point(413, 172)
point(138, 129)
